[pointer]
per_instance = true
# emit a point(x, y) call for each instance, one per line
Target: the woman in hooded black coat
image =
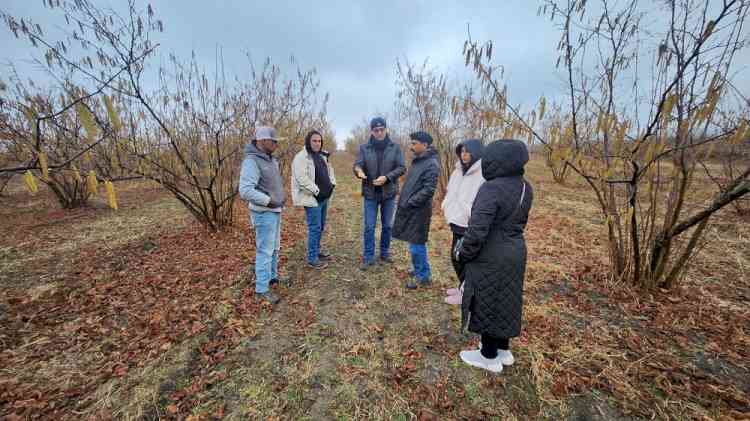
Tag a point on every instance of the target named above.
point(494, 253)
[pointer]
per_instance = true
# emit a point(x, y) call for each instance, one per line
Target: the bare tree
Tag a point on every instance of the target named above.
point(359, 134)
point(45, 125)
point(637, 140)
point(187, 134)
point(725, 161)
point(193, 130)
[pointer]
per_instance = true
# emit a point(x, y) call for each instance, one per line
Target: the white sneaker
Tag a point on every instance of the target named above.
point(506, 357)
point(476, 359)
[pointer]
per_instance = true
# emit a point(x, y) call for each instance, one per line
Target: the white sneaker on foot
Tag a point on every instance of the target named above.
point(506, 357)
point(476, 359)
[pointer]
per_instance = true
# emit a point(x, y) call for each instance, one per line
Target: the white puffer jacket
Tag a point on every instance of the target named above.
point(462, 189)
point(304, 189)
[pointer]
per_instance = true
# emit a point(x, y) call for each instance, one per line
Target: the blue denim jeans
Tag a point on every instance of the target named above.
point(316, 223)
point(419, 260)
point(387, 209)
point(267, 242)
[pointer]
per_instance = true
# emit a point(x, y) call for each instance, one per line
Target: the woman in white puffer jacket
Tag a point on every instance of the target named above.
point(462, 189)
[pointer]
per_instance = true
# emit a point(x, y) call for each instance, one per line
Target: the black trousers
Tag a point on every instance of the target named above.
point(490, 345)
point(458, 233)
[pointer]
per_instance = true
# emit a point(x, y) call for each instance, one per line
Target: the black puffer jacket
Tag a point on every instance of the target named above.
point(393, 167)
point(494, 248)
point(414, 212)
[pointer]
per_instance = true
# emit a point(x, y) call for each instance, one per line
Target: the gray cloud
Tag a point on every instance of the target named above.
point(354, 45)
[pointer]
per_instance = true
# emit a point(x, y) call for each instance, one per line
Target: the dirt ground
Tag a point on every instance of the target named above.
point(142, 314)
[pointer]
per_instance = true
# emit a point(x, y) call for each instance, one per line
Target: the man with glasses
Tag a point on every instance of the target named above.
point(262, 187)
point(379, 165)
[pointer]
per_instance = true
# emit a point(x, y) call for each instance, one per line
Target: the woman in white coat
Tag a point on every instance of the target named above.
point(313, 182)
point(463, 186)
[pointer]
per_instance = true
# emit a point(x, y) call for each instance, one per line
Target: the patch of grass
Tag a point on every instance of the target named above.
point(144, 392)
point(344, 344)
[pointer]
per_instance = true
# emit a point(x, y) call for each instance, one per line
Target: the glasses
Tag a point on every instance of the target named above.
point(275, 142)
point(378, 129)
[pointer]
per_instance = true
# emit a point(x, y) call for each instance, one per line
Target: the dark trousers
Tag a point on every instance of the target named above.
point(458, 267)
point(490, 345)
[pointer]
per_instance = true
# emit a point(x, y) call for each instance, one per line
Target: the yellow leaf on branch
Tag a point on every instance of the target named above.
point(28, 179)
point(77, 174)
point(92, 183)
point(87, 121)
point(30, 114)
point(43, 164)
point(741, 133)
point(114, 117)
point(542, 107)
point(111, 197)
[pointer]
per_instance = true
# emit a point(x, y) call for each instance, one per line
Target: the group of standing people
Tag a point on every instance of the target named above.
point(486, 205)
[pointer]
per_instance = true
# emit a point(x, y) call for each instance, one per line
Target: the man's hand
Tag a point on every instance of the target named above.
point(380, 180)
point(274, 204)
point(360, 173)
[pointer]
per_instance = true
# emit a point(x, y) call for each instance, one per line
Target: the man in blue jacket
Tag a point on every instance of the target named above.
point(262, 187)
point(379, 165)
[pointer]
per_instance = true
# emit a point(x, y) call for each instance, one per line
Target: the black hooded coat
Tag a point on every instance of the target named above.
point(494, 248)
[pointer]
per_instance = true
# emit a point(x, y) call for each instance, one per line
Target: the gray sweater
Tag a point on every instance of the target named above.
point(260, 180)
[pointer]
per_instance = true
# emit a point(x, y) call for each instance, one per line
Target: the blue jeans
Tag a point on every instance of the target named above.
point(267, 242)
point(316, 223)
point(419, 260)
point(387, 209)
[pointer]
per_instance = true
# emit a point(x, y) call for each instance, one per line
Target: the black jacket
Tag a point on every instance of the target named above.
point(494, 248)
point(414, 211)
point(393, 168)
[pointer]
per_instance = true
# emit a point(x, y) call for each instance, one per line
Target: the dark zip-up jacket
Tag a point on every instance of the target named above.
point(393, 167)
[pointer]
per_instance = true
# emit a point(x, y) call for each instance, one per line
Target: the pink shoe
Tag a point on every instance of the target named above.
point(452, 291)
point(454, 299)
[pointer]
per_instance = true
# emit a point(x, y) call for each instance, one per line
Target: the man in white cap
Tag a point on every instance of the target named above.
point(262, 187)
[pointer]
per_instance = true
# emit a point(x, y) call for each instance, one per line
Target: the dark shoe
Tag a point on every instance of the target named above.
point(386, 259)
point(318, 265)
point(281, 280)
point(411, 284)
point(323, 256)
point(365, 266)
point(268, 296)
point(425, 282)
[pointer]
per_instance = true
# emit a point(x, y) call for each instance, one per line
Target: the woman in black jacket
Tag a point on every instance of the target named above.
point(494, 252)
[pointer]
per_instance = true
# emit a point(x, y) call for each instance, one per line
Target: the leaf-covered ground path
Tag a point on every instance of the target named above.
point(142, 315)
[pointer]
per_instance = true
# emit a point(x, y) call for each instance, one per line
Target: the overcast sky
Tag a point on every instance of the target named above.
point(353, 45)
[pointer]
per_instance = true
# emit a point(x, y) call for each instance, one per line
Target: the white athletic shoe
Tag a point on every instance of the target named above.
point(506, 357)
point(476, 359)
